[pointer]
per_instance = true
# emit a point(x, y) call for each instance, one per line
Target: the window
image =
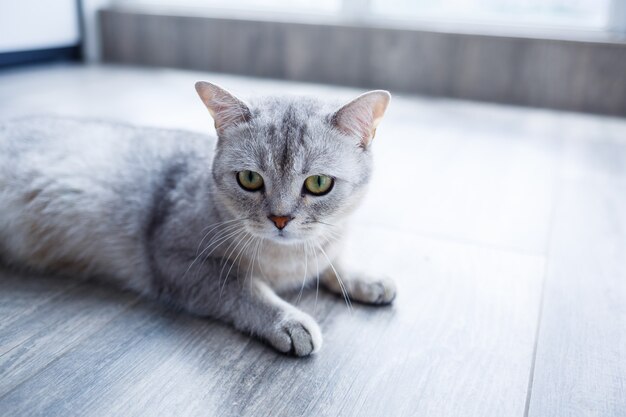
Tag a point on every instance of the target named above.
point(288, 6)
point(581, 14)
point(595, 15)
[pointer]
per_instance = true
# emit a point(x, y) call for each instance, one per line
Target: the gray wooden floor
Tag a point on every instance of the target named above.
point(504, 227)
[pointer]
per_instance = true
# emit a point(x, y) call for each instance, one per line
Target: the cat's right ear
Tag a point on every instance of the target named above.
point(226, 109)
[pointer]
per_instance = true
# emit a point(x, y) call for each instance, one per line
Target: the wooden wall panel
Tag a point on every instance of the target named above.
point(569, 75)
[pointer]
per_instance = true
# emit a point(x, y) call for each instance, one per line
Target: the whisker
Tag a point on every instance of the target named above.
point(198, 255)
point(305, 271)
point(233, 235)
point(225, 231)
point(259, 261)
point(236, 242)
point(321, 222)
point(251, 264)
point(250, 240)
point(213, 227)
point(243, 248)
point(339, 280)
point(221, 238)
point(317, 277)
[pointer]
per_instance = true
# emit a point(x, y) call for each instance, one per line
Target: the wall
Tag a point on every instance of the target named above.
point(560, 74)
point(27, 25)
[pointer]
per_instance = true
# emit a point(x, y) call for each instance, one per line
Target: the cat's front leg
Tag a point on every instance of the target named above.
point(359, 286)
point(252, 307)
point(288, 329)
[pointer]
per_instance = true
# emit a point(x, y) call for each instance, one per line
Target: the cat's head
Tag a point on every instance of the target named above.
point(292, 168)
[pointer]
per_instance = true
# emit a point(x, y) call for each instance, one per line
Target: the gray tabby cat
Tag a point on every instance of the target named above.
point(215, 227)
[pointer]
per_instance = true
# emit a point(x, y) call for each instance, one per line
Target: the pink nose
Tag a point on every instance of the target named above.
point(280, 221)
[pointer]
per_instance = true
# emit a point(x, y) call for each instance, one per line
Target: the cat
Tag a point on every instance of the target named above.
point(217, 226)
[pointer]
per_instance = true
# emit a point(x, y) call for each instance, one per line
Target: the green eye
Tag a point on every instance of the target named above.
point(318, 184)
point(250, 180)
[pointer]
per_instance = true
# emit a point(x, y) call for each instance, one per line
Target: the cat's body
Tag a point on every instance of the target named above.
point(82, 197)
point(160, 212)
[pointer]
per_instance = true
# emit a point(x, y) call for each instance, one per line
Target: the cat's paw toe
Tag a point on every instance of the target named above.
point(300, 336)
point(378, 291)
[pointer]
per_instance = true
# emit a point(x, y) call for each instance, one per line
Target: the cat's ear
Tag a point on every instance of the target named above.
point(226, 109)
point(360, 117)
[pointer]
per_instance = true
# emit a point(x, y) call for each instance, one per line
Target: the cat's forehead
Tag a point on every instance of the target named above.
point(293, 133)
point(288, 113)
point(289, 138)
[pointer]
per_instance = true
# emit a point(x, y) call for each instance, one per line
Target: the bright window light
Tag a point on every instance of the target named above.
point(285, 6)
point(581, 14)
point(597, 15)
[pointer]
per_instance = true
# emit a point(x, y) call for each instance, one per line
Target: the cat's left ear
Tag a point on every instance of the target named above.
point(361, 116)
point(226, 109)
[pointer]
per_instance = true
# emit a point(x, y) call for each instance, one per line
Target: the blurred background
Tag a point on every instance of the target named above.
point(559, 54)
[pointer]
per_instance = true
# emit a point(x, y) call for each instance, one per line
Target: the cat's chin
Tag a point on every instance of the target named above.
point(286, 239)
point(283, 238)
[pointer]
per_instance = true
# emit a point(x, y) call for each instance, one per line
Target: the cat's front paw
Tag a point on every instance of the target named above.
point(296, 334)
point(362, 287)
point(373, 291)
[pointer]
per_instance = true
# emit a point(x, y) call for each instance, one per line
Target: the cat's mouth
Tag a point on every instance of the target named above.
point(285, 237)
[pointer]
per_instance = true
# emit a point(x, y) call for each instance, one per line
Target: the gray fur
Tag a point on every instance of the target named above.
point(160, 211)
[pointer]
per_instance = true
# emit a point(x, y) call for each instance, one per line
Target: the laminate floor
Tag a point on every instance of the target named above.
point(504, 227)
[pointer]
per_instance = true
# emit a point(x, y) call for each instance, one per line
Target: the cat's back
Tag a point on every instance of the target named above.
point(77, 192)
point(108, 153)
point(43, 136)
point(62, 141)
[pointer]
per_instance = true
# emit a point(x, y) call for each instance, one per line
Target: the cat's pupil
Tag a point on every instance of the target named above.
point(250, 176)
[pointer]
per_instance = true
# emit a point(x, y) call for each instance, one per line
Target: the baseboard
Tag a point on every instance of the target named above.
point(68, 53)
